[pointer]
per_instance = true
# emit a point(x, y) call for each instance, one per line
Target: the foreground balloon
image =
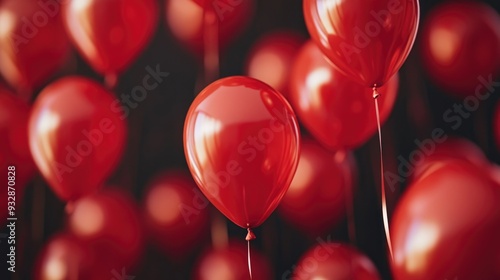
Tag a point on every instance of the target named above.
point(77, 135)
point(33, 44)
point(271, 58)
point(460, 46)
point(109, 223)
point(316, 199)
point(176, 214)
point(337, 111)
point(367, 40)
point(110, 34)
point(231, 263)
point(185, 19)
point(447, 225)
point(241, 141)
point(334, 261)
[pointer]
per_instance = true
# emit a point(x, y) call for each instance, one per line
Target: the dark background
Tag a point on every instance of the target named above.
point(155, 144)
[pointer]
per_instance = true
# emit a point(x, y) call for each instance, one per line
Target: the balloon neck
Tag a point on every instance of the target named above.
point(250, 235)
point(375, 92)
point(69, 208)
point(111, 80)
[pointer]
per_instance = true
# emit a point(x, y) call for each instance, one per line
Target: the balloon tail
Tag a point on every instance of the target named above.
point(219, 231)
point(250, 236)
point(111, 80)
point(211, 46)
point(383, 192)
point(349, 197)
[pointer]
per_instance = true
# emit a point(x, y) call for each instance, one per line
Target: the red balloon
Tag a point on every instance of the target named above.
point(271, 58)
point(110, 34)
point(367, 40)
point(14, 148)
point(176, 214)
point(185, 19)
point(447, 224)
point(77, 136)
point(334, 261)
point(33, 44)
point(231, 263)
point(461, 43)
point(337, 111)
point(316, 199)
point(241, 140)
point(109, 223)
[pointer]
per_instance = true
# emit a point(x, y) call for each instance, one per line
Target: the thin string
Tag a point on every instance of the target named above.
point(340, 158)
point(383, 193)
point(250, 236)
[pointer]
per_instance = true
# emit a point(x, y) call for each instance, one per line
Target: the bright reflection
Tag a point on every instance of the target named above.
point(315, 80)
point(324, 8)
point(422, 238)
point(217, 269)
point(184, 18)
point(164, 204)
point(269, 68)
point(55, 269)
point(205, 130)
point(7, 22)
point(87, 218)
point(82, 25)
point(47, 124)
point(303, 175)
point(443, 45)
point(319, 278)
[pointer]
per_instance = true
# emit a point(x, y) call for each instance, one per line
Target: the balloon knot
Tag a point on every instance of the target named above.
point(375, 93)
point(250, 235)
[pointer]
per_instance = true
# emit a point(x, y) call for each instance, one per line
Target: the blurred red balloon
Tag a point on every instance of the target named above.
point(334, 261)
point(33, 44)
point(77, 136)
point(66, 257)
point(337, 111)
point(110, 34)
point(241, 140)
point(185, 19)
point(109, 223)
point(320, 186)
point(271, 58)
point(461, 46)
point(230, 263)
point(176, 214)
point(367, 40)
point(447, 224)
point(14, 147)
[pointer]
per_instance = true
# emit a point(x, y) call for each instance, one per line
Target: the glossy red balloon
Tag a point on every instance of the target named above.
point(231, 263)
point(334, 261)
point(110, 34)
point(322, 183)
point(185, 19)
point(33, 44)
point(241, 140)
point(271, 57)
point(337, 111)
point(176, 214)
point(14, 148)
point(77, 135)
point(461, 43)
point(447, 224)
point(367, 40)
point(109, 223)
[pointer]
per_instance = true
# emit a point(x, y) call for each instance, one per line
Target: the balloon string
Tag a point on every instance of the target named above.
point(211, 46)
point(250, 236)
point(383, 193)
point(349, 196)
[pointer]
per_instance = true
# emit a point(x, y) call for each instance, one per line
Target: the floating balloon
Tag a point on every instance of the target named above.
point(14, 149)
point(33, 44)
point(447, 224)
point(241, 140)
point(185, 19)
point(176, 214)
point(231, 263)
point(271, 58)
point(316, 199)
point(338, 112)
point(77, 136)
point(110, 34)
point(108, 222)
point(367, 41)
point(460, 46)
point(334, 261)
